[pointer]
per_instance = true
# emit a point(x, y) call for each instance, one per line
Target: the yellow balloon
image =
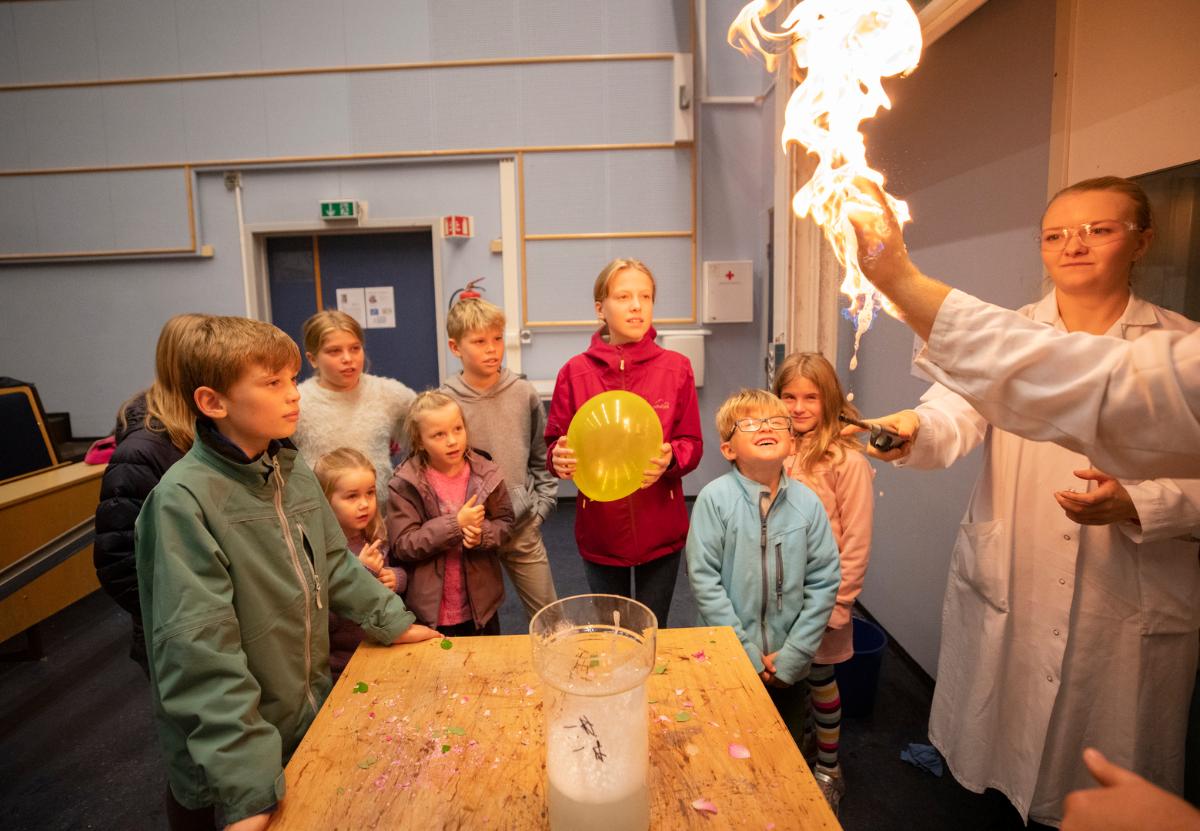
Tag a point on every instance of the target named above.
point(614, 435)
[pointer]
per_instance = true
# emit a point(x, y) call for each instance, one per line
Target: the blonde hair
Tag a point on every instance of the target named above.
point(337, 463)
point(744, 403)
point(323, 324)
point(426, 402)
point(223, 348)
point(826, 438)
point(472, 314)
point(167, 401)
point(600, 288)
point(1143, 215)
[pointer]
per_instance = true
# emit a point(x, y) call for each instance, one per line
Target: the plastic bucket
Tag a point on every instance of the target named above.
point(858, 678)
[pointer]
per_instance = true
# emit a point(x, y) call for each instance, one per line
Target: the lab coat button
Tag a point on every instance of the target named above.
point(1050, 678)
point(1067, 537)
point(1056, 632)
point(1062, 581)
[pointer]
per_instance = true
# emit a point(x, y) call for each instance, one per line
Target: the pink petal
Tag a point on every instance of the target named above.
point(700, 656)
point(704, 806)
point(739, 751)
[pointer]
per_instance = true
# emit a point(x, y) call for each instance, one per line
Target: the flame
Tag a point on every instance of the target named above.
point(842, 50)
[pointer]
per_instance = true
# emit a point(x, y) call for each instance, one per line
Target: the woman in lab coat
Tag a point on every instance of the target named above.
point(1070, 619)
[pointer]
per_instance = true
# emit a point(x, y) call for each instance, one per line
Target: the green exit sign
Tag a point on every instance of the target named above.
point(339, 209)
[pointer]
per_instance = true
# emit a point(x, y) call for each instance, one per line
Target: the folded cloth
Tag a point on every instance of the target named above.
point(923, 756)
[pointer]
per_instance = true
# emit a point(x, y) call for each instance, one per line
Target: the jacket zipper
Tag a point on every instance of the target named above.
point(762, 543)
point(291, 545)
point(779, 577)
point(313, 568)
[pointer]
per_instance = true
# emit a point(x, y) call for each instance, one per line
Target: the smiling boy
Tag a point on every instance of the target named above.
point(760, 554)
point(240, 559)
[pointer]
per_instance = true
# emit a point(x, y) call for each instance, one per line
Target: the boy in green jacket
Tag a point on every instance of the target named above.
point(240, 560)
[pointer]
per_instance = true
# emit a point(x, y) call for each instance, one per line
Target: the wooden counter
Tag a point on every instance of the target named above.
point(453, 739)
point(34, 510)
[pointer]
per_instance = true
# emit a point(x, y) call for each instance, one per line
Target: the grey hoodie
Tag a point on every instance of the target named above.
point(508, 423)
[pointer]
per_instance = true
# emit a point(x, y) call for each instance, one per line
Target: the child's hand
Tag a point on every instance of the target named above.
point(470, 514)
point(372, 557)
point(563, 459)
point(657, 466)
point(769, 661)
point(417, 633)
point(254, 823)
point(388, 578)
point(472, 536)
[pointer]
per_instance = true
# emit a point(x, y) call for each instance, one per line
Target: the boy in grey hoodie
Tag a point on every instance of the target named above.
point(505, 419)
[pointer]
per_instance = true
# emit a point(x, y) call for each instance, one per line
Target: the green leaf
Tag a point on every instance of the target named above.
point(445, 748)
point(652, 701)
point(683, 716)
point(367, 762)
point(595, 662)
point(660, 669)
point(456, 731)
point(446, 644)
point(341, 791)
point(360, 687)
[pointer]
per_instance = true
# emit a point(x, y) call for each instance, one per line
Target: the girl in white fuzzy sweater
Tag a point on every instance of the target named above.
point(341, 406)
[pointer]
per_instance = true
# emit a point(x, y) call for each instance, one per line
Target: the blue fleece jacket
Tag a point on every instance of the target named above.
point(774, 580)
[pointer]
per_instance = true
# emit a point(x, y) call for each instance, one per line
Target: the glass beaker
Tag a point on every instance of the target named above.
point(594, 653)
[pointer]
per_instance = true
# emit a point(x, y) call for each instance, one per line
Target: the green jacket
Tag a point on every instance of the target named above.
point(238, 567)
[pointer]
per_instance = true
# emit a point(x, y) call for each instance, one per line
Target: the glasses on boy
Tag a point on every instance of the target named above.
point(753, 425)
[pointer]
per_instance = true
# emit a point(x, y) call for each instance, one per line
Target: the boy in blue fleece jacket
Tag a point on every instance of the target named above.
point(760, 554)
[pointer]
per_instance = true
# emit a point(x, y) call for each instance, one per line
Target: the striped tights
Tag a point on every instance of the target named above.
point(827, 712)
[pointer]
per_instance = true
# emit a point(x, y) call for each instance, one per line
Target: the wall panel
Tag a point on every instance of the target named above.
point(217, 36)
point(64, 127)
point(56, 40)
point(144, 123)
point(382, 31)
point(128, 38)
point(225, 119)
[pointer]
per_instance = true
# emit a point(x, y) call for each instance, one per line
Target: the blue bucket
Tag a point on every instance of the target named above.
point(858, 678)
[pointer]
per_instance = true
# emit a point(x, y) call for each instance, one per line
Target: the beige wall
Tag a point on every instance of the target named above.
point(1127, 99)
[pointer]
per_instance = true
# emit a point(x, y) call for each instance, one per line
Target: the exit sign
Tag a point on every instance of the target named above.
point(339, 209)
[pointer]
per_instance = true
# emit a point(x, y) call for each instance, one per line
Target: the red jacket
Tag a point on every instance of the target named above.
point(653, 522)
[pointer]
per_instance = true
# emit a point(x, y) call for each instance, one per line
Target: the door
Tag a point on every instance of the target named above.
point(306, 271)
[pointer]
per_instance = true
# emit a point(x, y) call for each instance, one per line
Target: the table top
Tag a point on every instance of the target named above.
point(424, 737)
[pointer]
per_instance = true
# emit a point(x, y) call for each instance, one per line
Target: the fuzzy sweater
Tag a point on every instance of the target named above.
point(507, 422)
point(366, 418)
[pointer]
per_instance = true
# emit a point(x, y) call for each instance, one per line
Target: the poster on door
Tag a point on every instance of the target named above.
point(381, 307)
point(354, 303)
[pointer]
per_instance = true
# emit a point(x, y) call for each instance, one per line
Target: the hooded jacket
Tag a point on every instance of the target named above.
point(239, 562)
point(773, 579)
point(507, 422)
point(420, 537)
point(651, 522)
point(140, 460)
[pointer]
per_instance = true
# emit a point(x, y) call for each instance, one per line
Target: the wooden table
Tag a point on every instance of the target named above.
point(34, 510)
point(453, 739)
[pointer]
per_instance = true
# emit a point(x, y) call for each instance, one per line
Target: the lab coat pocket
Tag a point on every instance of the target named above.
point(1169, 584)
point(982, 558)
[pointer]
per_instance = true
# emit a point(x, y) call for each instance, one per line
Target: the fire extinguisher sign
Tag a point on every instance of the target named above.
point(458, 226)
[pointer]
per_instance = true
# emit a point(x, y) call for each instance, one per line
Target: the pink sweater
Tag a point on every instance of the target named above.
point(846, 489)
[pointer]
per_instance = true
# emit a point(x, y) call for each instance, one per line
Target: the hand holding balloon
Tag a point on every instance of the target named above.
point(563, 459)
point(658, 466)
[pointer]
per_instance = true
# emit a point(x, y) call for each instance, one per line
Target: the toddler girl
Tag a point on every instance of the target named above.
point(342, 406)
point(836, 469)
point(448, 513)
point(348, 479)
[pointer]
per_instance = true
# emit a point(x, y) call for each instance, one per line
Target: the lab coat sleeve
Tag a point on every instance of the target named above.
point(704, 552)
point(1133, 407)
point(1166, 508)
point(950, 429)
point(822, 577)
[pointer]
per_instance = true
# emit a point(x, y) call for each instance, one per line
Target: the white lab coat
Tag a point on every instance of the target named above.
point(1077, 390)
point(1057, 636)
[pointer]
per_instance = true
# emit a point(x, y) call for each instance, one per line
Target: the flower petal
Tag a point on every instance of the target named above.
point(739, 751)
point(704, 806)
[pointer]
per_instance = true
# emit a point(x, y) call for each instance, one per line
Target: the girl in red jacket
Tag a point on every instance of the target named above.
point(631, 546)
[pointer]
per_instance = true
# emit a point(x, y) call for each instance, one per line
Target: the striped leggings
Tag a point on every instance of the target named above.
point(826, 712)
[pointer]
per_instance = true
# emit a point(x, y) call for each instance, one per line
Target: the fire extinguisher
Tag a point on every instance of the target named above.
point(469, 291)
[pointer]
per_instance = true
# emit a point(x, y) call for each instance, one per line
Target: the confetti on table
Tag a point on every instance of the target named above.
point(704, 806)
point(739, 751)
point(367, 762)
point(456, 731)
point(360, 687)
point(691, 749)
point(447, 644)
point(700, 656)
point(660, 669)
point(683, 716)
point(445, 748)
